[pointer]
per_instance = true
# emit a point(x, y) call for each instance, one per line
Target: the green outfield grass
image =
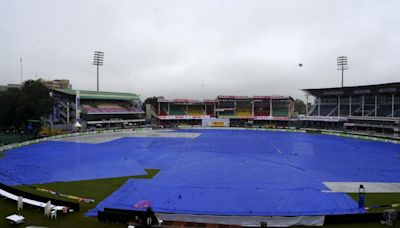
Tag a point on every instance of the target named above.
point(101, 188)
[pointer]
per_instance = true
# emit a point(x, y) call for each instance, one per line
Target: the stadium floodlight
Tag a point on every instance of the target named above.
point(20, 61)
point(342, 64)
point(98, 61)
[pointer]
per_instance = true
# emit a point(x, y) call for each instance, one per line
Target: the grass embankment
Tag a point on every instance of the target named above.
point(94, 189)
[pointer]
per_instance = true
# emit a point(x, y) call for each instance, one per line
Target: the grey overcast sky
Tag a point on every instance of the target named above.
point(201, 49)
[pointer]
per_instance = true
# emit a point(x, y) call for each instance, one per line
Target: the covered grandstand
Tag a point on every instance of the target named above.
point(95, 109)
point(362, 108)
point(240, 110)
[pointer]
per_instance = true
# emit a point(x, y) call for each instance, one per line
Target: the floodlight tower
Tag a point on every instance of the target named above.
point(342, 64)
point(20, 61)
point(98, 61)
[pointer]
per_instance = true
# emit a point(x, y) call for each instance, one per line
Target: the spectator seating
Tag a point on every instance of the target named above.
point(226, 113)
point(177, 110)
point(385, 110)
point(243, 111)
point(261, 110)
point(210, 111)
point(108, 108)
point(280, 112)
point(344, 110)
point(397, 113)
point(195, 110)
point(262, 113)
point(163, 112)
point(326, 109)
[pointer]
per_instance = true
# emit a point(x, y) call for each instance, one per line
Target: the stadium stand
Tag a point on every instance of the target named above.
point(280, 112)
point(370, 108)
point(226, 106)
point(223, 103)
point(244, 108)
point(280, 108)
point(94, 109)
point(344, 110)
point(240, 110)
point(108, 108)
point(243, 112)
point(226, 114)
point(177, 110)
point(261, 108)
point(210, 110)
point(195, 110)
point(163, 109)
point(385, 110)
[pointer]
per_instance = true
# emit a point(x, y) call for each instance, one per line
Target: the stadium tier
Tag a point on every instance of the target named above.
point(195, 110)
point(244, 108)
point(361, 108)
point(240, 110)
point(177, 110)
point(95, 109)
point(262, 108)
point(108, 109)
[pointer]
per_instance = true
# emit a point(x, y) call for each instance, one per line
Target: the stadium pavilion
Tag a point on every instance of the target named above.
point(95, 109)
point(234, 111)
point(361, 108)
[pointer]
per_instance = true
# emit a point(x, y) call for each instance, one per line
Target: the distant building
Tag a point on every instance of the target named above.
point(9, 86)
point(56, 84)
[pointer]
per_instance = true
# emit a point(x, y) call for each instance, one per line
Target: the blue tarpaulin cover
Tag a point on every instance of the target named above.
point(232, 200)
point(220, 172)
point(62, 161)
point(229, 172)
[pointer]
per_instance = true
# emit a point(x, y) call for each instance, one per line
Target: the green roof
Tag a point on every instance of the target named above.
point(94, 95)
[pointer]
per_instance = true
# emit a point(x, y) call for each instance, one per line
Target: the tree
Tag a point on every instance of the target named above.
point(18, 106)
point(299, 106)
point(34, 102)
point(8, 104)
point(150, 100)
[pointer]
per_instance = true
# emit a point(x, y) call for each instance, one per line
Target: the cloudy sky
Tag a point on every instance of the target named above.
point(201, 49)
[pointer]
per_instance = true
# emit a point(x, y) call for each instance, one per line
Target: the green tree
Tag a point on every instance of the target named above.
point(34, 102)
point(150, 100)
point(299, 106)
point(8, 104)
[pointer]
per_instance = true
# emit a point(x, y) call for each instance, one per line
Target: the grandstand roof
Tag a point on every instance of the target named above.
point(356, 90)
point(190, 101)
point(87, 94)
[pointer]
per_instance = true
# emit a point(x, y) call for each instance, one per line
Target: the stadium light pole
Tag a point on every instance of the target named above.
point(98, 61)
point(21, 75)
point(342, 64)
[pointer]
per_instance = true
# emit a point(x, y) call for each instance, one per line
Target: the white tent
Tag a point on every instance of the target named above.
point(77, 124)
